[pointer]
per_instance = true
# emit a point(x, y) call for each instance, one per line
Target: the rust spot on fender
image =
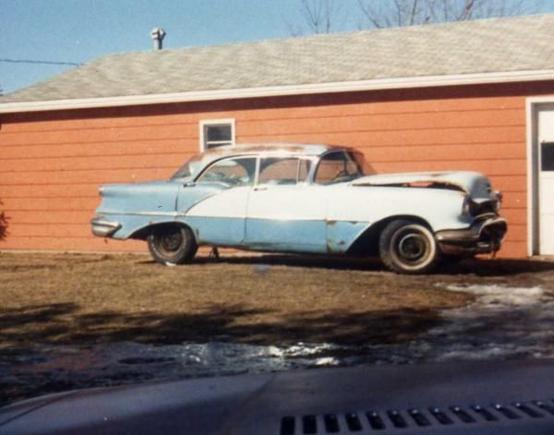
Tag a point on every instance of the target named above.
point(334, 222)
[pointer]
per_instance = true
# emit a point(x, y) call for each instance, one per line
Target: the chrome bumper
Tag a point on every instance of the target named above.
point(104, 228)
point(483, 237)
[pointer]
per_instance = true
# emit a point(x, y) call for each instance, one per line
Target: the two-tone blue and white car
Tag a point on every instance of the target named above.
point(312, 199)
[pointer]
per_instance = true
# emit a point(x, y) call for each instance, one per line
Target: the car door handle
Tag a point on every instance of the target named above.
point(258, 188)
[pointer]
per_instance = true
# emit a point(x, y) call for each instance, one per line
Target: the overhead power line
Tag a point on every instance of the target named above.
point(43, 62)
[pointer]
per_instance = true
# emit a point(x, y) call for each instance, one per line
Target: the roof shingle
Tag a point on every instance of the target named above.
point(483, 46)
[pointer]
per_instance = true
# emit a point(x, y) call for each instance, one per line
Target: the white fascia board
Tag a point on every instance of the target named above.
point(273, 91)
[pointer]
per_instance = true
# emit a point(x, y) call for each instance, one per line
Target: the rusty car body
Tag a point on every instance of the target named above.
point(314, 199)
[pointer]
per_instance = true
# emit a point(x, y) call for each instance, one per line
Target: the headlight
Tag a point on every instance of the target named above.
point(472, 208)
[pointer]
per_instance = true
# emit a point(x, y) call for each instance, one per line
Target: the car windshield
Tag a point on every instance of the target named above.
point(363, 166)
point(339, 166)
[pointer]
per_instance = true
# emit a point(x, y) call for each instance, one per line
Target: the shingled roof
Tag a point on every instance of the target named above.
point(507, 45)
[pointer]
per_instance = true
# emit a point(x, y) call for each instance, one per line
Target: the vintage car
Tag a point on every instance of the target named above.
point(312, 199)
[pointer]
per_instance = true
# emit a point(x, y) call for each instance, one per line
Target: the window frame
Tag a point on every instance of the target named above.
point(205, 123)
point(238, 156)
point(309, 174)
point(314, 175)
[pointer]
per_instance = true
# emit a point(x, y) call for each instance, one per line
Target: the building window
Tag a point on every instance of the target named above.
point(217, 133)
point(547, 156)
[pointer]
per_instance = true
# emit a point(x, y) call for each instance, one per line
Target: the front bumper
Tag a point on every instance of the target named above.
point(483, 237)
point(104, 228)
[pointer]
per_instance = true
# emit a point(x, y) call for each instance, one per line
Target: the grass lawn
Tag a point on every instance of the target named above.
point(81, 298)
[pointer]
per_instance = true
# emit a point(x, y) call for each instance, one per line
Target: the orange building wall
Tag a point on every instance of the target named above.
point(52, 163)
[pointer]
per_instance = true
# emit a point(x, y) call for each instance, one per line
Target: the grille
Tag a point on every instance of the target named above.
point(390, 420)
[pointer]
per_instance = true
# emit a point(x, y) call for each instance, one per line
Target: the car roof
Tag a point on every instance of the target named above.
point(265, 150)
point(272, 149)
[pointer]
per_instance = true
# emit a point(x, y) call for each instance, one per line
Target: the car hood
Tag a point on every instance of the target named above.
point(389, 399)
point(473, 183)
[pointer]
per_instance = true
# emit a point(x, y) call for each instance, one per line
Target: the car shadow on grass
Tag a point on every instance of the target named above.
point(55, 327)
point(67, 324)
point(477, 266)
point(497, 267)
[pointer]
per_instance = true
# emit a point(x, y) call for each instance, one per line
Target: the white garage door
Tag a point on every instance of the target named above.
point(546, 181)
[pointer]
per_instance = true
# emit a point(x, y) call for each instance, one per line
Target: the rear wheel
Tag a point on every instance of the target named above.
point(407, 246)
point(172, 245)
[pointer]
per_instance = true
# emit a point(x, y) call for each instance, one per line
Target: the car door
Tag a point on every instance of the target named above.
point(334, 169)
point(214, 206)
point(285, 212)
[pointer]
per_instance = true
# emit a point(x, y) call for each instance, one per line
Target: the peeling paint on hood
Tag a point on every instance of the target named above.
point(474, 184)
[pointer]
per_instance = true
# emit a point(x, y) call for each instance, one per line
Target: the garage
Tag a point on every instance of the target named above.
point(542, 179)
point(462, 96)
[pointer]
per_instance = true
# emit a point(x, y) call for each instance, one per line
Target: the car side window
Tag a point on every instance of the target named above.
point(234, 172)
point(283, 171)
point(335, 167)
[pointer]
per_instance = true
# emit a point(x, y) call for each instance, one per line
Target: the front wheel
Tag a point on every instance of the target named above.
point(172, 245)
point(407, 246)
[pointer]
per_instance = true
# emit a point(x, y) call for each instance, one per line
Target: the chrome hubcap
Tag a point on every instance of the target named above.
point(412, 247)
point(171, 242)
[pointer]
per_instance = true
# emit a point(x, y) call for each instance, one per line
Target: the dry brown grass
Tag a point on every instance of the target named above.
point(67, 298)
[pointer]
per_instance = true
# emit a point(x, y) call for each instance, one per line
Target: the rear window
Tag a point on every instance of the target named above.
point(191, 167)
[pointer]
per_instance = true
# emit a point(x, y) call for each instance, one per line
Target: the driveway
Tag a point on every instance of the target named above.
point(75, 321)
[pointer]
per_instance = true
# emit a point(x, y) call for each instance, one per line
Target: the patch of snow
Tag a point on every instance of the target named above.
point(327, 361)
point(503, 322)
point(127, 362)
point(498, 295)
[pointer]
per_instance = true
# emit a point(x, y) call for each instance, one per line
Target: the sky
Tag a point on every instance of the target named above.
point(81, 30)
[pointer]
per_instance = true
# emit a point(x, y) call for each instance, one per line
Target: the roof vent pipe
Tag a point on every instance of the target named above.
point(157, 35)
